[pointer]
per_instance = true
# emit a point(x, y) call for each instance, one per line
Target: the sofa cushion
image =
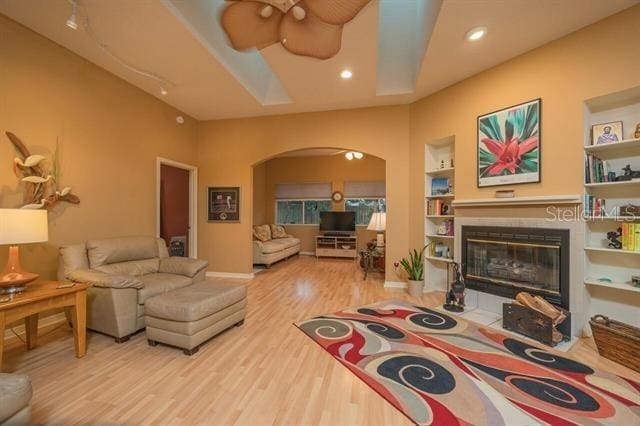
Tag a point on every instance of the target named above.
point(133, 267)
point(195, 302)
point(73, 257)
point(272, 246)
point(278, 231)
point(262, 232)
point(124, 249)
point(15, 394)
point(155, 284)
point(102, 279)
point(182, 266)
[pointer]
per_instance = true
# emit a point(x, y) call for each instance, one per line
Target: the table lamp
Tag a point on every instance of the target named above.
point(378, 223)
point(20, 226)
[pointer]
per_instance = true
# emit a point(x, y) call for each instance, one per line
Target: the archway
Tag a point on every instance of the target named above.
point(294, 190)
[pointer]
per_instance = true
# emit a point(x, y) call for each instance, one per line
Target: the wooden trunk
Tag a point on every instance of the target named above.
point(617, 341)
point(531, 323)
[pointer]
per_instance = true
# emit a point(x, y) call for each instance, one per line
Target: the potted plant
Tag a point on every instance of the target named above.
point(414, 267)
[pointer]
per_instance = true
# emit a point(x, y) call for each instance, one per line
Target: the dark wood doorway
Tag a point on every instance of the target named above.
point(175, 209)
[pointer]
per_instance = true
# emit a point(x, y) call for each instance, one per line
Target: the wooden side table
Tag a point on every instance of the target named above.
point(44, 296)
point(372, 261)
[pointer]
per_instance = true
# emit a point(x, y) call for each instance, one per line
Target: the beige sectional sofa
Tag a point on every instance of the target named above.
point(274, 250)
point(125, 273)
point(15, 396)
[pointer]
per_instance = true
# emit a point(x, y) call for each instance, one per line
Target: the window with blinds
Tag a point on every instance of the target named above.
point(364, 198)
point(301, 203)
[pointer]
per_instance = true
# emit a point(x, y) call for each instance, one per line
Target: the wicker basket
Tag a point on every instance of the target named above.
point(617, 341)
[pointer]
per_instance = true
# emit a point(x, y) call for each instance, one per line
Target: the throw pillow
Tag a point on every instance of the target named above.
point(262, 232)
point(278, 231)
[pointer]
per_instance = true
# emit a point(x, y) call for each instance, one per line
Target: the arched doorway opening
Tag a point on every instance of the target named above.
point(294, 189)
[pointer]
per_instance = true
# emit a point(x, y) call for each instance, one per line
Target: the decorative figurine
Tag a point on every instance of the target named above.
point(628, 174)
point(614, 239)
point(637, 133)
point(454, 300)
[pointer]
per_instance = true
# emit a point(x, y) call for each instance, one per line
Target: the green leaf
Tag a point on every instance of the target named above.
point(530, 122)
point(490, 127)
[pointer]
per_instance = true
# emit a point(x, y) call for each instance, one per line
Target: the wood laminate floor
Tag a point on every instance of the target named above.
point(265, 372)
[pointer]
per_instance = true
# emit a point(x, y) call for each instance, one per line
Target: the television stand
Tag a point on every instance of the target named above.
point(343, 245)
point(337, 234)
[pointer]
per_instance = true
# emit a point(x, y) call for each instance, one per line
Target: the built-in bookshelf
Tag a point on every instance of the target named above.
point(608, 270)
point(439, 211)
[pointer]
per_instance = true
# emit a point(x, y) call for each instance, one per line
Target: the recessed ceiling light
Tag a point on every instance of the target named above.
point(346, 74)
point(476, 33)
point(163, 91)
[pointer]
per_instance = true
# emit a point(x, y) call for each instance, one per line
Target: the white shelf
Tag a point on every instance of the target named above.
point(619, 286)
point(614, 146)
point(440, 216)
point(434, 197)
point(446, 170)
point(520, 201)
point(611, 184)
point(449, 237)
point(610, 250)
point(439, 259)
point(614, 218)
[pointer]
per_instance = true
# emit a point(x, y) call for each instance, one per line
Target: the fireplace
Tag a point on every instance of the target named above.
point(504, 261)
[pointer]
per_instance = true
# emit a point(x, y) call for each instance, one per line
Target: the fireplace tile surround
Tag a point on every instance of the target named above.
point(579, 302)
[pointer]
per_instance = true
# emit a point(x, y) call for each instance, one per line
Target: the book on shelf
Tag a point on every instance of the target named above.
point(630, 236)
point(597, 170)
point(594, 206)
point(445, 229)
point(438, 207)
point(440, 186)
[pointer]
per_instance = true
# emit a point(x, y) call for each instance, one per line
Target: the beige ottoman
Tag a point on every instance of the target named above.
point(187, 317)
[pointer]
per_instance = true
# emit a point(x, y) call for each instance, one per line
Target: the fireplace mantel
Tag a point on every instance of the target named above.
point(519, 201)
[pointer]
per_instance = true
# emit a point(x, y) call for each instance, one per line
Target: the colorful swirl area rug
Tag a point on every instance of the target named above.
point(444, 370)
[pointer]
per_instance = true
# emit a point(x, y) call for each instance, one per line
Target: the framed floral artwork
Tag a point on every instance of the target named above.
point(509, 145)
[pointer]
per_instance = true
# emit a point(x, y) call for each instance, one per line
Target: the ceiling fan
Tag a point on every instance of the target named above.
point(303, 27)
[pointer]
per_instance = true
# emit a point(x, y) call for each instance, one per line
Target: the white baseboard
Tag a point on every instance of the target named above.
point(42, 323)
point(307, 253)
point(395, 284)
point(236, 275)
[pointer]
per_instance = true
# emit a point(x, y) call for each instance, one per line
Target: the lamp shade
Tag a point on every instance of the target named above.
point(378, 222)
point(22, 226)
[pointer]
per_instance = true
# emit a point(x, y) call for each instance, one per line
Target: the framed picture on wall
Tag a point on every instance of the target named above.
point(509, 142)
point(604, 133)
point(224, 204)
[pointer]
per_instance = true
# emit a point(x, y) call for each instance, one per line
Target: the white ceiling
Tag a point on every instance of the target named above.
point(149, 35)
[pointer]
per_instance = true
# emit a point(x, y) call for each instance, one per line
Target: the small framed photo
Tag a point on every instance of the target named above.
point(604, 133)
point(224, 204)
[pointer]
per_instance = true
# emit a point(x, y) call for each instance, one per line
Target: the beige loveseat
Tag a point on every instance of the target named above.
point(274, 250)
point(124, 273)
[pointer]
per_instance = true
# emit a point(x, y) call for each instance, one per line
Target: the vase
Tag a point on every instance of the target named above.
point(416, 288)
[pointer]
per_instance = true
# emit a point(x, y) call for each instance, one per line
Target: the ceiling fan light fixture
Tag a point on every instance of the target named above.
point(72, 21)
point(266, 11)
point(346, 74)
point(475, 34)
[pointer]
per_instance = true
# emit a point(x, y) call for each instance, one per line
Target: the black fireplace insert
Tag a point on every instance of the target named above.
point(505, 261)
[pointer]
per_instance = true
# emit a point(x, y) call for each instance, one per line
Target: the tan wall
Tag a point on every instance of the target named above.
point(110, 135)
point(260, 194)
point(228, 149)
point(335, 169)
point(564, 74)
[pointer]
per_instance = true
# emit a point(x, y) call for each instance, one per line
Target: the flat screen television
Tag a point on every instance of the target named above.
point(337, 221)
